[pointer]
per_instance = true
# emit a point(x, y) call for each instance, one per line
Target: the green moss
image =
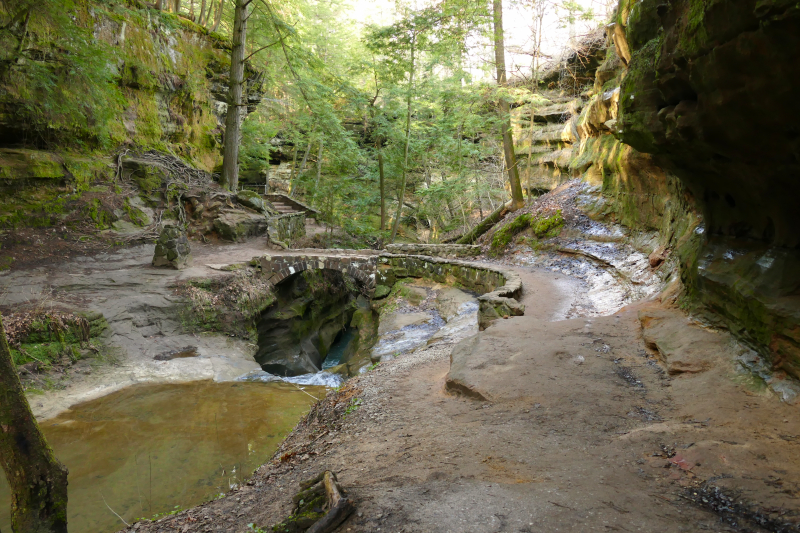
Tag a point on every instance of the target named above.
point(99, 214)
point(694, 35)
point(136, 215)
point(503, 236)
point(547, 227)
point(148, 125)
point(48, 339)
point(541, 228)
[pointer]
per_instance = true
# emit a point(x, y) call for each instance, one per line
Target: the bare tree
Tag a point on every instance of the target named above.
point(504, 109)
point(38, 481)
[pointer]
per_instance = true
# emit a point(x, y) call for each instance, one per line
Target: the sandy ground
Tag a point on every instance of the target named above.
point(636, 421)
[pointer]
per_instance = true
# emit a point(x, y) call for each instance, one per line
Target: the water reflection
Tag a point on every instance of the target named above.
point(149, 448)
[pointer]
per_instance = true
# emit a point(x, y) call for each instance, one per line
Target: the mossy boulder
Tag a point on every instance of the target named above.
point(250, 199)
point(237, 226)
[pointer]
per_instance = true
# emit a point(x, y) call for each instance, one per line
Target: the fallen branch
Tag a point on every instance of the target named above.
point(486, 224)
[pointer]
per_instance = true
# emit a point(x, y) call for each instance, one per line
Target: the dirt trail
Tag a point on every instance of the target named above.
point(584, 427)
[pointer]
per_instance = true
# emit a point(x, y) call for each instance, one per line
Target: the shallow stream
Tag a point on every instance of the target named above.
point(151, 449)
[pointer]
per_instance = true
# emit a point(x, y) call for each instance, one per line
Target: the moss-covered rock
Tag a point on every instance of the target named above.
point(237, 225)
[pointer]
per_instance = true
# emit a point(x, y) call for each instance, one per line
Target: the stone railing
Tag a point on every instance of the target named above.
point(379, 271)
point(436, 250)
point(276, 268)
point(498, 287)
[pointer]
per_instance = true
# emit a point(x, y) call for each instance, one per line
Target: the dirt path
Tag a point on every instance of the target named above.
point(631, 422)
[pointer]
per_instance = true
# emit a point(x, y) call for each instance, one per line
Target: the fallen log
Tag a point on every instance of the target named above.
point(486, 224)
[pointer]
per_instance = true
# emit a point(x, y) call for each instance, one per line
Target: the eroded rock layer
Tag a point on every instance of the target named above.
point(690, 131)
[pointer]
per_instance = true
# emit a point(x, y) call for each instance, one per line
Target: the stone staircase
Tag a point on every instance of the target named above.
point(284, 208)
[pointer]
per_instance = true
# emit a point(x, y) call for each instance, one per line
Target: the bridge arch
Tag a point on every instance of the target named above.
point(277, 268)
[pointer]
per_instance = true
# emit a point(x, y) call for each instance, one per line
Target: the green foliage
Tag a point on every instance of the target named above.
point(61, 78)
point(353, 406)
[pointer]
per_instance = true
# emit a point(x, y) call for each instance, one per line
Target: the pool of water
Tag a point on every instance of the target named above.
point(150, 449)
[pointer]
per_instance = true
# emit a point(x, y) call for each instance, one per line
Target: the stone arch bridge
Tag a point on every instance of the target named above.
point(360, 265)
point(376, 272)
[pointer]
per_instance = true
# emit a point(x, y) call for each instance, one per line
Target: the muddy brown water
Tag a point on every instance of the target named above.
point(151, 449)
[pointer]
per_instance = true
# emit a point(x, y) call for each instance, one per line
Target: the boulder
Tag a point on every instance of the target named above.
point(238, 225)
point(250, 199)
point(172, 249)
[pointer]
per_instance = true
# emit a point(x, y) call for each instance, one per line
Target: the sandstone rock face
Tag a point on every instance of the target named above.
point(172, 249)
point(692, 134)
point(712, 88)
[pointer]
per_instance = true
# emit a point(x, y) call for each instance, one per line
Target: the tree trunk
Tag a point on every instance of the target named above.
point(319, 167)
point(218, 15)
point(505, 116)
point(383, 189)
point(294, 168)
point(177, 6)
point(202, 19)
point(302, 168)
point(233, 118)
point(160, 5)
point(396, 224)
point(38, 481)
point(480, 202)
point(209, 11)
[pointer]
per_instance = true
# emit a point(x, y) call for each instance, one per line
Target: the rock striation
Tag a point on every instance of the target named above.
point(689, 131)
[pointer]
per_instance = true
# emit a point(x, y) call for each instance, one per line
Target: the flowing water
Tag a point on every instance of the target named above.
point(151, 449)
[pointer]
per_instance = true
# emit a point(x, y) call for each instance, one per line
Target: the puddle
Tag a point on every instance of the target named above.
point(188, 351)
point(149, 448)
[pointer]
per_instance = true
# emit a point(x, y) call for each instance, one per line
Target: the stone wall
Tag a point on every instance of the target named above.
point(285, 229)
point(498, 287)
